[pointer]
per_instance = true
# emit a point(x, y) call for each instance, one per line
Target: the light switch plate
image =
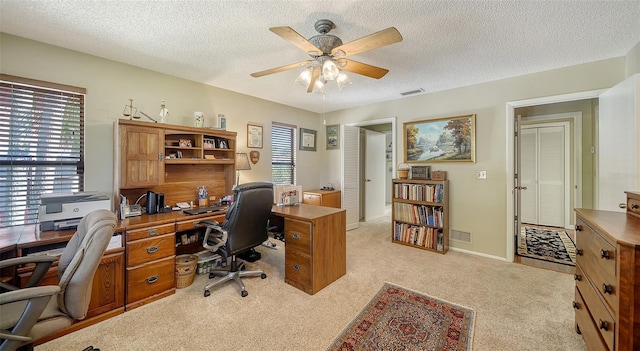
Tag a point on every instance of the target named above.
point(481, 174)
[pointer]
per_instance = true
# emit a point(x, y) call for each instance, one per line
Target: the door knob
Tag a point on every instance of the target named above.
point(367, 180)
point(521, 188)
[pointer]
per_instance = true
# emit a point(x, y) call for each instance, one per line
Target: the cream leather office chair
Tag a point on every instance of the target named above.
point(31, 313)
point(244, 228)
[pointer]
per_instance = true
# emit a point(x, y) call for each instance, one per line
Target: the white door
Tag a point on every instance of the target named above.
point(350, 153)
point(543, 171)
point(618, 127)
point(374, 175)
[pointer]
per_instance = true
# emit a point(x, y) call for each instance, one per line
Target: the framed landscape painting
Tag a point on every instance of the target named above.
point(450, 139)
point(333, 137)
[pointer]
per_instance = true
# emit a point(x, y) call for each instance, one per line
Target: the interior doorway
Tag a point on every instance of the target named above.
point(386, 127)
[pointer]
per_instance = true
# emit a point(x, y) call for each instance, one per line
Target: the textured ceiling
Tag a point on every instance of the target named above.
point(446, 44)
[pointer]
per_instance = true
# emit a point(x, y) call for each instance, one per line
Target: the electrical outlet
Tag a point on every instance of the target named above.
point(481, 174)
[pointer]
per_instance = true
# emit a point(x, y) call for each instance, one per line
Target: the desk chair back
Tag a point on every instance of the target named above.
point(246, 220)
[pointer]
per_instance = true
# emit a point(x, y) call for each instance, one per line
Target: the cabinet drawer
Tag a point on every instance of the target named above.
point(297, 236)
point(311, 199)
point(191, 224)
point(633, 204)
point(298, 268)
point(150, 279)
point(598, 261)
point(585, 325)
point(604, 323)
point(150, 249)
point(150, 231)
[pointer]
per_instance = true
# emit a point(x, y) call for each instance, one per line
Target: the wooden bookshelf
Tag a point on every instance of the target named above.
point(420, 214)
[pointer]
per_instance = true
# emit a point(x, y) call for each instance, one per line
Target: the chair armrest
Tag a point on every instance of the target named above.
point(43, 263)
point(21, 309)
point(219, 236)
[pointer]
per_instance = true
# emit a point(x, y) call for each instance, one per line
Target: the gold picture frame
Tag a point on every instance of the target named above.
point(450, 139)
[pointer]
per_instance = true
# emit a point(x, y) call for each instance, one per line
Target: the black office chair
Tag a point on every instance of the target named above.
point(244, 228)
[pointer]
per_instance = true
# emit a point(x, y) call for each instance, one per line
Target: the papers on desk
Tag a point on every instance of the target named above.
point(286, 195)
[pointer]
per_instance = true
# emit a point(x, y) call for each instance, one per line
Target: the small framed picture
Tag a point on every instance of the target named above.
point(307, 139)
point(333, 137)
point(254, 136)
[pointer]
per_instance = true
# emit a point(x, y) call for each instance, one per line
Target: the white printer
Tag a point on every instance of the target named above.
point(64, 211)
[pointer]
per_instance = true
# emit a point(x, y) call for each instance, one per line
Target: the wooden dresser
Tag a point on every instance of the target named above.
point(607, 293)
point(328, 198)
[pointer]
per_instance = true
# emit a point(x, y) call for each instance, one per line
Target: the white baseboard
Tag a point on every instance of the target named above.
point(479, 254)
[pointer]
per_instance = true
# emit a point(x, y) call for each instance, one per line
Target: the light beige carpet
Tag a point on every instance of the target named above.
point(517, 307)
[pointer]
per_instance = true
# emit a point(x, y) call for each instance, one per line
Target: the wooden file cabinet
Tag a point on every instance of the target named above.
point(150, 255)
point(607, 292)
point(328, 198)
point(315, 245)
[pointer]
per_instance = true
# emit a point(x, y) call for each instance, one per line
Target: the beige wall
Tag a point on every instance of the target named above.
point(110, 85)
point(477, 206)
point(632, 64)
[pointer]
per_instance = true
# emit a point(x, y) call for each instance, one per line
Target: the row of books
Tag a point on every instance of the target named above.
point(419, 214)
point(416, 235)
point(419, 192)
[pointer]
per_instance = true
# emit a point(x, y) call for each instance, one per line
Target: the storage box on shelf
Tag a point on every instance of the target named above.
point(420, 214)
point(607, 290)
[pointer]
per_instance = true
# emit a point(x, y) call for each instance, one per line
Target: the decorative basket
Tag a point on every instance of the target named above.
point(185, 270)
point(403, 170)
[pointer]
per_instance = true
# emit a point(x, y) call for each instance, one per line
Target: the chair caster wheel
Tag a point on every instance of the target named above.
point(244, 293)
point(207, 293)
point(212, 275)
point(263, 275)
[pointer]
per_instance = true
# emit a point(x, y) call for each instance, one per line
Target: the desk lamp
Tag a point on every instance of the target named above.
point(242, 164)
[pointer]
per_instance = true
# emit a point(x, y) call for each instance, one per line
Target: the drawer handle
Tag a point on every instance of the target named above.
point(152, 279)
point(604, 325)
point(296, 236)
point(604, 254)
point(634, 206)
point(152, 232)
point(152, 250)
point(577, 277)
point(579, 252)
point(576, 306)
point(296, 267)
point(607, 288)
point(578, 228)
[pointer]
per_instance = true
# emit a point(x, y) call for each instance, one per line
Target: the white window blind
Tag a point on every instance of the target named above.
point(41, 145)
point(283, 154)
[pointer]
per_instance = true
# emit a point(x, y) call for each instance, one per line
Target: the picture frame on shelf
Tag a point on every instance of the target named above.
point(333, 137)
point(254, 136)
point(450, 139)
point(307, 139)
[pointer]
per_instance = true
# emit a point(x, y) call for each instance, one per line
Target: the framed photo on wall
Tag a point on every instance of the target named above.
point(307, 139)
point(333, 137)
point(254, 136)
point(450, 139)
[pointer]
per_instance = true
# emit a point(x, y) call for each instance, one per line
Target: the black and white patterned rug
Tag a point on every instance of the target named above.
point(547, 244)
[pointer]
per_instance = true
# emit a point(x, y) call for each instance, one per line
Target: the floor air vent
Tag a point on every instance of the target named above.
point(460, 236)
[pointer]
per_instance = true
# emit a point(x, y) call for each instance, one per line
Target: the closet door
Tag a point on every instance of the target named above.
point(543, 174)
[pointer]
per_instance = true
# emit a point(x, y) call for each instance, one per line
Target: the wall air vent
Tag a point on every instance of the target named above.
point(412, 92)
point(461, 236)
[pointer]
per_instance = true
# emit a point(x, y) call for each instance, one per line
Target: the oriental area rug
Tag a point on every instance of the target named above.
point(400, 319)
point(547, 244)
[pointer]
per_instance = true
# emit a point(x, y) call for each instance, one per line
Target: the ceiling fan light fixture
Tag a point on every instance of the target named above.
point(304, 78)
point(330, 70)
point(318, 86)
point(342, 80)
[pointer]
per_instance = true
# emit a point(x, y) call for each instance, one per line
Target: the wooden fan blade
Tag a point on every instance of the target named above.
point(314, 76)
point(296, 39)
point(373, 41)
point(362, 68)
point(280, 69)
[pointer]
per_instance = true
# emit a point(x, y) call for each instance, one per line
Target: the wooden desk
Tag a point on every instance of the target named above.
point(315, 245)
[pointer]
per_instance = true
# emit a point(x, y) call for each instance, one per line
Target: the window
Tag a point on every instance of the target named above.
point(41, 145)
point(283, 154)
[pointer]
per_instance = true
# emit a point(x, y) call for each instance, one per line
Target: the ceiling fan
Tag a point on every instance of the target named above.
point(329, 55)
